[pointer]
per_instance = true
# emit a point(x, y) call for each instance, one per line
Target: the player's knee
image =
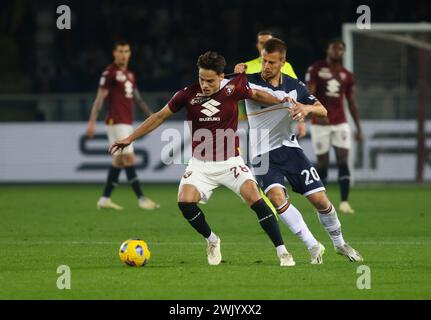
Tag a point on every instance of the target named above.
point(250, 192)
point(277, 196)
point(117, 162)
point(128, 160)
point(319, 200)
point(188, 193)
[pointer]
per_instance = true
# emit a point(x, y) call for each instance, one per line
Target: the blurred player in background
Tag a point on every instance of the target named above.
point(286, 158)
point(212, 113)
point(255, 65)
point(118, 86)
point(330, 82)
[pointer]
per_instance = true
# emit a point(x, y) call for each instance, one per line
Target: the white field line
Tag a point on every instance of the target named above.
point(66, 242)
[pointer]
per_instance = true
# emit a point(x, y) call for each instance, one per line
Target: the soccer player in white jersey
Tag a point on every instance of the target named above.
point(212, 111)
point(285, 157)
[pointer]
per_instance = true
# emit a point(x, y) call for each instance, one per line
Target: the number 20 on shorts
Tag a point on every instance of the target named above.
point(313, 173)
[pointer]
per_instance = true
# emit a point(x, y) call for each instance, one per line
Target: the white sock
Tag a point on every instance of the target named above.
point(104, 199)
point(212, 238)
point(332, 226)
point(281, 249)
point(293, 219)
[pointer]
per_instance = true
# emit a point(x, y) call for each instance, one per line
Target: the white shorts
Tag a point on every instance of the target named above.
point(322, 137)
point(118, 132)
point(208, 175)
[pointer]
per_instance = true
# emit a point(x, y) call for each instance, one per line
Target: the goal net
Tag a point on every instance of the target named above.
point(392, 68)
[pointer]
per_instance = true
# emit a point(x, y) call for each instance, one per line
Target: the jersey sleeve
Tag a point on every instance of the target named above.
point(178, 101)
point(106, 80)
point(242, 88)
point(304, 96)
point(311, 75)
point(350, 85)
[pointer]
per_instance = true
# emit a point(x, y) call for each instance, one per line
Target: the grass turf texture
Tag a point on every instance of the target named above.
point(43, 227)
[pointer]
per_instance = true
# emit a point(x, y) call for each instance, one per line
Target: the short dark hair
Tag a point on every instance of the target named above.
point(275, 44)
point(336, 40)
point(120, 43)
point(265, 33)
point(212, 61)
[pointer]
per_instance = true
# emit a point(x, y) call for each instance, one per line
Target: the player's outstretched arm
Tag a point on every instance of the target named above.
point(151, 123)
point(264, 97)
point(299, 111)
point(97, 106)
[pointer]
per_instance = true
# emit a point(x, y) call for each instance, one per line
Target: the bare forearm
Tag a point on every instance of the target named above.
point(95, 110)
point(355, 115)
point(98, 104)
point(264, 97)
point(318, 110)
point(154, 121)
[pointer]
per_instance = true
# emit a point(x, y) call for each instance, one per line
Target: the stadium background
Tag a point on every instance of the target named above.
point(50, 76)
point(48, 81)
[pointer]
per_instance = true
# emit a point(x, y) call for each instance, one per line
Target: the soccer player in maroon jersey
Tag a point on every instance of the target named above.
point(118, 86)
point(330, 82)
point(212, 113)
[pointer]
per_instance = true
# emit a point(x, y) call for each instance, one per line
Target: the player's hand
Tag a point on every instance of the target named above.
point(359, 136)
point(91, 130)
point(298, 111)
point(301, 130)
point(240, 68)
point(119, 145)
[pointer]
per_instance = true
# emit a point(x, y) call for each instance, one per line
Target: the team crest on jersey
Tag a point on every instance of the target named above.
point(120, 76)
point(343, 76)
point(229, 89)
point(187, 174)
point(325, 73)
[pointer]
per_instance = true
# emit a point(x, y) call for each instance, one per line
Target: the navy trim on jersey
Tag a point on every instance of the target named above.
point(288, 84)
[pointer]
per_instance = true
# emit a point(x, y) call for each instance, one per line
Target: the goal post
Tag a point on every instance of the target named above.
point(391, 63)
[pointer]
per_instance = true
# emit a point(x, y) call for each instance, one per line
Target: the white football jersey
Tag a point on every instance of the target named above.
point(271, 127)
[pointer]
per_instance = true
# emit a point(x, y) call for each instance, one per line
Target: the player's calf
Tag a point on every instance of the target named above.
point(292, 217)
point(269, 224)
point(329, 220)
point(322, 167)
point(267, 220)
point(249, 192)
point(111, 183)
point(196, 219)
point(133, 180)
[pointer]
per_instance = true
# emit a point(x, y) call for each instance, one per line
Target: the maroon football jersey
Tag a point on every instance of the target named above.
point(331, 87)
point(213, 119)
point(121, 84)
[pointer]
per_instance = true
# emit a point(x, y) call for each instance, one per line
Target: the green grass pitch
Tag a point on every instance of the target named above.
point(43, 227)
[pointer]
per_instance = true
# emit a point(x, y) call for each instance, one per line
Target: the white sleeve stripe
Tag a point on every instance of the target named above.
point(269, 90)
